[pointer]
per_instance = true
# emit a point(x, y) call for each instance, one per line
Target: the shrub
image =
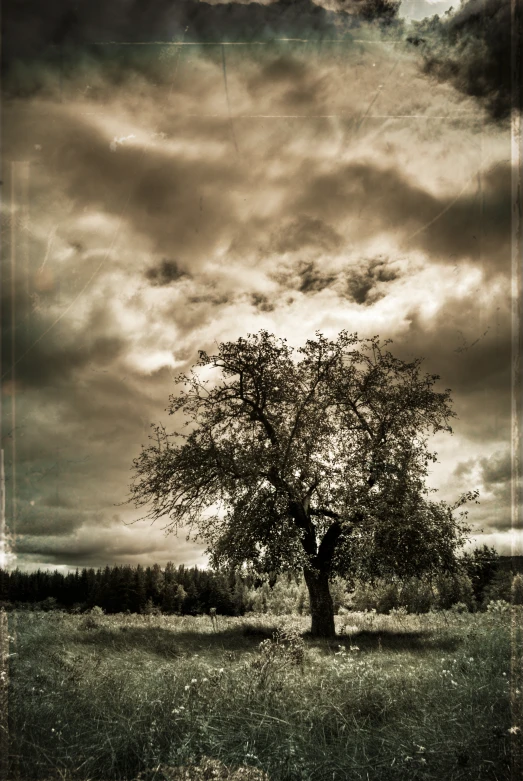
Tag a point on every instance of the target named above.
point(381, 596)
point(498, 607)
point(388, 599)
point(452, 589)
point(340, 596)
point(151, 609)
point(285, 598)
point(49, 603)
point(499, 588)
point(481, 565)
point(285, 649)
point(302, 602)
point(363, 597)
point(92, 619)
point(417, 596)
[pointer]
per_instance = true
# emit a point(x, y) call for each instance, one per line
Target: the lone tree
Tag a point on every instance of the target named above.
point(311, 459)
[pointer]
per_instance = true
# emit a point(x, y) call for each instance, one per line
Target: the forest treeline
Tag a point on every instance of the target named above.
point(483, 577)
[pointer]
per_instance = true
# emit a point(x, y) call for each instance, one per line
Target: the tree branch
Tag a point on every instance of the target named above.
point(324, 511)
point(302, 521)
point(327, 546)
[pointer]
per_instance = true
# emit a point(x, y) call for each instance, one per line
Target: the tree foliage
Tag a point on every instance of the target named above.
point(482, 564)
point(312, 458)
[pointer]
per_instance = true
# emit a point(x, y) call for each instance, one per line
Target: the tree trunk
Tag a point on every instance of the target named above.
point(322, 608)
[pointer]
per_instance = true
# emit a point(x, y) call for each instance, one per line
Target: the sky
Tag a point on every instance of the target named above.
point(179, 174)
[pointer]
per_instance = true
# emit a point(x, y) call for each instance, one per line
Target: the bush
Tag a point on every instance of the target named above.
point(453, 589)
point(151, 609)
point(363, 597)
point(49, 603)
point(481, 565)
point(381, 596)
point(500, 588)
point(92, 619)
point(417, 596)
point(285, 598)
point(340, 596)
point(388, 599)
point(498, 607)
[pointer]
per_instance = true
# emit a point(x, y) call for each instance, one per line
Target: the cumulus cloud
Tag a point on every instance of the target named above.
point(166, 272)
point(496, 477)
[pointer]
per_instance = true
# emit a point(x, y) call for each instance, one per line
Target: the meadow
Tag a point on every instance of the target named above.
point(433, 696)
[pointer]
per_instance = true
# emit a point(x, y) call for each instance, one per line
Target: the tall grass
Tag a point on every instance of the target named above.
point(393, 697)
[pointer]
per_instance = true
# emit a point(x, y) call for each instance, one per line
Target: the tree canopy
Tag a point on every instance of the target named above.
point(313, 458)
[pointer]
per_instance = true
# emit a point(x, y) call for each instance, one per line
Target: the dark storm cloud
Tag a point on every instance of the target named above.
point(496, 478)
point(55, 359)
point(117, 405)
point(95, 546)
point(300, 86)
point(479, 375)
point(472, 49)
point(41, 519)
point(496, 469)
point(312, 279)
point(363, 279)
point(304, 232)
point(262, 303)
point(73, 466)
point(70, 550)
point(499, 480)
point(464, 468)
point(32, 28)
point(474, 225)
point(165, 273)
point(158, 193)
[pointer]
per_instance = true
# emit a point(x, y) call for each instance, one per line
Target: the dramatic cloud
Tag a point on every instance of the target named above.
point(497, 469)
point(166, 272)
point(495, 476)
point(163, 197)
point(31, 31)
point(473, 49)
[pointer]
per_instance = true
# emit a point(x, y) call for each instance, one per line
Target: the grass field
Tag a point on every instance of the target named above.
point(435, 696)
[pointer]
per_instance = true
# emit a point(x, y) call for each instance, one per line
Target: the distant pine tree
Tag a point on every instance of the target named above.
point(170, 600)
point(139, 591)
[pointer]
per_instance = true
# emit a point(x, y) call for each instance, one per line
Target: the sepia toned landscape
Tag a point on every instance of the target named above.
point(260, 506)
